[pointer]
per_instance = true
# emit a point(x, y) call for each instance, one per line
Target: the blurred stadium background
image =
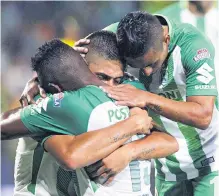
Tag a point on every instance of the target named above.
point(27, 25)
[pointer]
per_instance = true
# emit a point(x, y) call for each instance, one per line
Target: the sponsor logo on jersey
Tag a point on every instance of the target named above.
point(172, 94)
point(201, 54)
point(204, 87)
point(118, 114)
point(204, 74)
point(207, 161)
point(57, 99)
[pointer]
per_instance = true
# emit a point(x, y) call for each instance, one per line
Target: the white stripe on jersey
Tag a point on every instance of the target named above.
point(46, 182)
point(179, 73)
point(168, 175)
point(209, 139)
point(182, 155)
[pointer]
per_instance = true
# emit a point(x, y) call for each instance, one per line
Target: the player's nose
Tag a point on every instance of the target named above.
point(148, 71)
point(111, 82)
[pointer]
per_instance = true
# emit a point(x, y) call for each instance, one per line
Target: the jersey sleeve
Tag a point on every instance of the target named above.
point(112, 27)
point(198, 62)
point(52, 115)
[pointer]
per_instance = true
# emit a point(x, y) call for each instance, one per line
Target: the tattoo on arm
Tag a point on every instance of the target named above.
point(120, 137)
point(147, 151)
point(144, 153)
point(156, 108)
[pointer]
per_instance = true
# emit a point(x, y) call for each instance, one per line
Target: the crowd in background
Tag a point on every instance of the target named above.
point(27, 25)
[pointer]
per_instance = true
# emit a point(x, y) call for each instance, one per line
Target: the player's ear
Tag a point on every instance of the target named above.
point(166, 39)
point(55, 87)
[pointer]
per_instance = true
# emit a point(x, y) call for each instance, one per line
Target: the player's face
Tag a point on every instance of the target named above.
point(153, 60)
point(108, 71)
point(150, 62)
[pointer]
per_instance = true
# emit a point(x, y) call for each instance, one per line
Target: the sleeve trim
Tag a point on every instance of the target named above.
point(44, 140)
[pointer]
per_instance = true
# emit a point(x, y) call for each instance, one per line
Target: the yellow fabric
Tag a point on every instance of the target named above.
point(68, 42)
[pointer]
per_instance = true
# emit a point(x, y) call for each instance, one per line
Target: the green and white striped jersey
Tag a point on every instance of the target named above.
point(38, 173)
point(189, 72)
point(207, 24)
point(74, 113)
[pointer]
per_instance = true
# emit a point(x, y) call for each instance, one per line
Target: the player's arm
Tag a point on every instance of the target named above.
point(32, 89)
point(65, 118)
point(12, 126)
point(200, 91)
point(196, 111)
point(87, 148)
point(155, 145)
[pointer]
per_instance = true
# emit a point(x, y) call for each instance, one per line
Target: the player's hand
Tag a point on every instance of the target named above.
point(128, 95)
point(143, 121)
point(31, 89)
point(82, 50)
point(110, 166)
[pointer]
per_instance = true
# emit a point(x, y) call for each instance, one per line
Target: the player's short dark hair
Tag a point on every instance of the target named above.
point(103, 44)
point(137, 32)
point(56, 62)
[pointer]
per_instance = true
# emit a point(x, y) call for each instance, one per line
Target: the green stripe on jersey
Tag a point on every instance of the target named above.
point(63, 180)
point(37, 159)
point(191, 136)
point(76, 183)
point(193, 141)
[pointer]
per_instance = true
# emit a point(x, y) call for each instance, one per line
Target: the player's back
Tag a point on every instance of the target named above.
point(88, 109)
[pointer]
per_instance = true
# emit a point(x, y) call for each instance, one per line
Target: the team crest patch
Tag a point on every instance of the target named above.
point(57, 99)
point(201, 54)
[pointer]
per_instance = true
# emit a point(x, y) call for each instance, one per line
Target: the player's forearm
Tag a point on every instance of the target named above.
point(190, 113)
point(95, 145)
point(8, 113)
point(12, 126)
point(156, 145)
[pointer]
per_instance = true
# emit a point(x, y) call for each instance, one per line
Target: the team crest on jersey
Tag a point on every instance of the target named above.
point(57, 99)
point(201, 54)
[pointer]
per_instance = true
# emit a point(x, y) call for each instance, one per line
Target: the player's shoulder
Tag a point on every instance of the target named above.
point(58, 99)
point(68, 102)
point(56, 104)
point(89, 96)
point(132, 80)
point(187, 36)
point(68, 96)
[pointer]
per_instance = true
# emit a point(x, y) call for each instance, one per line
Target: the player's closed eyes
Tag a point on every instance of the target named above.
point(105, 77)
